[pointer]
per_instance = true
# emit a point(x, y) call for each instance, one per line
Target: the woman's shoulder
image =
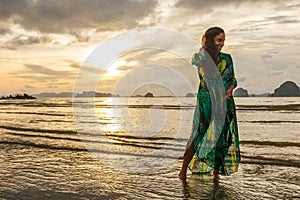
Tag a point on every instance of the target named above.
point(227, 56)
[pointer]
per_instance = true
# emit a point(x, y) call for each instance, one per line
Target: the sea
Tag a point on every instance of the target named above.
point(132, 148)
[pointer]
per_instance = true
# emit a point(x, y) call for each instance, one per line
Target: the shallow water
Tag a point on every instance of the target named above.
point(43, 157)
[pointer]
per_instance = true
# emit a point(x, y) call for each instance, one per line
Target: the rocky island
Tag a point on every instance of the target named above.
point(241, 92)
point(287, 89)
point(25, 96)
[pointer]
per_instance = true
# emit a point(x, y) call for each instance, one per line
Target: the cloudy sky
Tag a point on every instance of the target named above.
point(45, 43)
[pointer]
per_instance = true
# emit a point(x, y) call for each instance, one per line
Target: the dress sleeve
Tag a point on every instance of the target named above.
point(198, 58)
point(232, 79)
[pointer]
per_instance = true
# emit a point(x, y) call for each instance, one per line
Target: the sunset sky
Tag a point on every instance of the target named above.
point(45, 42)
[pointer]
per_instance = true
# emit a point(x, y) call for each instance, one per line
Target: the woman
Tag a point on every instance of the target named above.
point(223, 156)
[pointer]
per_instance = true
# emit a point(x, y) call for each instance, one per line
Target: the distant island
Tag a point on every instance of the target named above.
point(95, 94)
point(286, 89)
point(191, 94)
point(149, 94)
point(73, 94)
point(18, 96)
point(240, 92)
point(52, 94)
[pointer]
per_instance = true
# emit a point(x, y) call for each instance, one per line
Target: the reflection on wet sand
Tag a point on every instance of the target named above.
point(203, 186)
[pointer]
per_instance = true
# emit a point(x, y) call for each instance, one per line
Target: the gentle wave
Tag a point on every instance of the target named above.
point(246, 159)
point(46, 146)
point(35, 113)
point(269, 107)
point(124, 142)
point(88, 134)
point(270, 143)
point(39, 130)
point(52, 120)
point(35, 104)
point(68, 121)
point(269, 121)
point(269, 161)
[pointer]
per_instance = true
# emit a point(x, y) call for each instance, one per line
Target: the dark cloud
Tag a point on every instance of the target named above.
point(44, 79)
point(23, 40)
point(37, 78)
point(4, 29)
point(289, 21)
point(37, 69)
point(279, 68)
point(282, 19)
point(65, 16)
point(80, 36)
point(251, 25)
point(140, 55)
point(209, 5)
point(28, 86)
point(206, 6)
point(255, 25)
point(245, 29)
point(274, 41)
point(266, 56)
point(10, 8)
point(288, 5)
point(294, 6)
point(75, 65)
point(85, 69)
point(276, 73)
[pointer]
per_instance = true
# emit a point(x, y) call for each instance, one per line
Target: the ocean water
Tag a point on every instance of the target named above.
point(131, 148)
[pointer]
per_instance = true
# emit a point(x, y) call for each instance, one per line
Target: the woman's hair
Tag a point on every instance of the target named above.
point(208, 41)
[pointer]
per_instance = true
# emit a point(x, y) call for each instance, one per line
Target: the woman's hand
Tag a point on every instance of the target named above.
point(229, 92)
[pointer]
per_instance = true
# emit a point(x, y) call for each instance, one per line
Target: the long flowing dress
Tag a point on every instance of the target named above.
point(225, 153)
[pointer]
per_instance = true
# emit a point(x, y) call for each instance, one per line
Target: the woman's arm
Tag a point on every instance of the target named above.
point(232, 80)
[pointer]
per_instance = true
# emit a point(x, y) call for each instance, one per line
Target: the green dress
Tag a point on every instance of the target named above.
point(224, 155)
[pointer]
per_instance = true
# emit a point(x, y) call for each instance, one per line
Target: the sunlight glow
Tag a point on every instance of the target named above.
point(113, 69)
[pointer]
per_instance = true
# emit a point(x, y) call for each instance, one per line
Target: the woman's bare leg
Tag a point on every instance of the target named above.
point(216, 174)
point(186, 160)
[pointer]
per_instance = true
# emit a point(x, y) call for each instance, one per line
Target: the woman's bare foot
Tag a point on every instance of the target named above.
point(216, 174)
point(182, 174)
point(186, 160)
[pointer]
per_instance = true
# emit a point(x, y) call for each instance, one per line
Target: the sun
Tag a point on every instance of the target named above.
point(113, 68)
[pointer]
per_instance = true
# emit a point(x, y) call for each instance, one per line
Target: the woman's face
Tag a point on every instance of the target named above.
point(219, 41)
